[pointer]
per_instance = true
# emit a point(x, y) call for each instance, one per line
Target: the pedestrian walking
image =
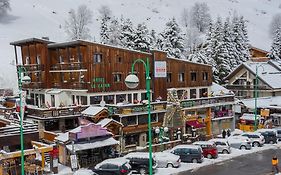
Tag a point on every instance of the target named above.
point(228, 132)
point(274, 162)
point(223, 133)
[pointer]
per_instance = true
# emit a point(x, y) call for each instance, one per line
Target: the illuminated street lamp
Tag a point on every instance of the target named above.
point(132, 81)
point(161, 131)
point(22, 80)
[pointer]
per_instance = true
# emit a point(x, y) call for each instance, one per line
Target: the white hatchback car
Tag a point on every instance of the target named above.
point(167, 159)
point(256, 138)
point(222, 145)
point(239, 142)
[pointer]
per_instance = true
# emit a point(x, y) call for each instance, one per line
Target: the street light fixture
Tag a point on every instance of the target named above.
point(22, 80)
point(256, 94)
point(161, 131)
point(132, 81)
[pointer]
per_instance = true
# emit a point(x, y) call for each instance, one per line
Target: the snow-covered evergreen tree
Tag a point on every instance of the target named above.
point(275, 24)
point(153, 37)
point(114, 33)
point(127, 33)
point(171, 40)
point(105, 16)
point(76, 26)
point(275, 52)
point(142, 39)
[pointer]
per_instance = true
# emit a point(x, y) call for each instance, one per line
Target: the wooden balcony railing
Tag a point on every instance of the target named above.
point(33, 67)
point(128, 109)
point(68, 66)
point(55, 112)
point(71, 85)
point(34, 85)
point(206, 102)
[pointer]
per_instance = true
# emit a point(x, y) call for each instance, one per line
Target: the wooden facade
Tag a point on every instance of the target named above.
point(101, 68)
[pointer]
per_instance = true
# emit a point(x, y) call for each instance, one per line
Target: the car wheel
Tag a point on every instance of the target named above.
point(243, 147)
point(225, 152)
point(169, 165)
point(194, 161)
point(271, 142)
point(142, 171)
point(256, 144)
point(209, 156)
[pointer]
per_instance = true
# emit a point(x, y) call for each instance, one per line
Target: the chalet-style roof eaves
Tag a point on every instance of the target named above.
point(30, 40)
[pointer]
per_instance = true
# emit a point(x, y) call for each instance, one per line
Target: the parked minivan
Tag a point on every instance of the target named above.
point(139, 162)
point(209, 149)
point(189, 153)
point(223, 146)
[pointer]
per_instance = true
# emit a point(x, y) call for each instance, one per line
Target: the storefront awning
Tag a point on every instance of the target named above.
point(195, 124)
point(93, 144)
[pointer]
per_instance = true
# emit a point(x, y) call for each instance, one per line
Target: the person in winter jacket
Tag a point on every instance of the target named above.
point(274, 162)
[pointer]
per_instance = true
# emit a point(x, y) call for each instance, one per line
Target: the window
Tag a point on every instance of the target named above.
point(132, 120)
point(119, 60)
point(193, 76)
point(205, 75)
point(97, 58)
point(203, 92)
point(120, 98)
point(95, 99)
point(181, 77)
point(83, 100)
point(53, 102)
point(169, 77)
point(154, 118)
point(109, 99)
point(38, 59)
point(27, 60)
point(117, 77)
point(193, 93)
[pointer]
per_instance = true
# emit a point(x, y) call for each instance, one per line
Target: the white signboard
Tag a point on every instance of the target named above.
point(73, 160)
point(160, 69)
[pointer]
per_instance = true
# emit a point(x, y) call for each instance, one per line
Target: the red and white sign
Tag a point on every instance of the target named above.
point(160, 69)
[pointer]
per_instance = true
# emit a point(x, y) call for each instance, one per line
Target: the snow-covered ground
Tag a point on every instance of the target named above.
point(41, 18)
point(63, 170)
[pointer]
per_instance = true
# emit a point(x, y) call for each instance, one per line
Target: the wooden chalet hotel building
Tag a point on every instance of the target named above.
point(84, 73)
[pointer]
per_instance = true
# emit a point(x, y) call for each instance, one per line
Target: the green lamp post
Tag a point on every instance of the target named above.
point(256, 95)
point(161, 131)
point(132, 81)
point(22, 80)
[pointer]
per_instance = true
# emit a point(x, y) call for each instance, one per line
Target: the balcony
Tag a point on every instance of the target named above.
point(71, 85)
point(246, 87)
point(33, 67)
point(34, 85)
point(207, 102)
point(136, 109)
point(68, 67)
point(52, 112)
point(216, 115)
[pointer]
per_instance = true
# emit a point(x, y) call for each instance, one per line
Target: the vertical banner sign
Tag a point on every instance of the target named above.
point(160, 69)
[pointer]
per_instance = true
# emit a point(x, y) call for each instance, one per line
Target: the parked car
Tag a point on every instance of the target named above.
point(270, 135)
point(278, 133)
point(116, 166)
point(139, 162)
point(239, 142)
point(209, 149)
point(189, 153)
point(256, 138)
point(166, 159)
point(222, 145)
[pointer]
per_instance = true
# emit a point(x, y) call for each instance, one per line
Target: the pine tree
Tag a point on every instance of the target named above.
point(171, 40)
point(104, 31)
point(142, 39)
point(276, 46)
point(127, 33)
point(114, 33)
point(153, 37)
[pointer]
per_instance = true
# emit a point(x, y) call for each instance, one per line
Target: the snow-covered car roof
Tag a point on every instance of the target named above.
point(237, 139)
point(186, 146)
point(144, 155)
point(204, 143)
point(218, 139)
point(116, 161)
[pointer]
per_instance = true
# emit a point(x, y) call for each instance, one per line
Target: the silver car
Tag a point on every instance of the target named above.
point(239, 142)
point(167, 159)
point(256, 138)
point(222, 145)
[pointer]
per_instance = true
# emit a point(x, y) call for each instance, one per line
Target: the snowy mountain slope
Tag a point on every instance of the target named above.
point(38, 18)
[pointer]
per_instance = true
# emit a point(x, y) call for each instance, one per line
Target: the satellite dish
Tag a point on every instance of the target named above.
point(102, 103)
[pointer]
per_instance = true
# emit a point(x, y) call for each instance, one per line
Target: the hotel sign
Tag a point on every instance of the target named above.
point(99, 83)
point(160, 69)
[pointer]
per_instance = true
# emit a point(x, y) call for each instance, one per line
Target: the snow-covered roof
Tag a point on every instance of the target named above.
point(267, 72)
point(218, 90)
point(263, 102)
point(93, 144)
point(106, 121)
point(29, 40)
point(187, 61)
point(247, 116)
point(93, 110)
point(63, 137)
